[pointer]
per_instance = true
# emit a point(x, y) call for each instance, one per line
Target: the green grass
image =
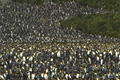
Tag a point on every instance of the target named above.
point(101, 24)
point(110, 5)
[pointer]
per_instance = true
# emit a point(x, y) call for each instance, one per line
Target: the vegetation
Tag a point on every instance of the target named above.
point(38, 2)
point(111, 5)
point(100, 24)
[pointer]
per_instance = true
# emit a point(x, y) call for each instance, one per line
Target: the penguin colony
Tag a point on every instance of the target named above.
point(34, 46)
point(31, 23)
point(60, 61)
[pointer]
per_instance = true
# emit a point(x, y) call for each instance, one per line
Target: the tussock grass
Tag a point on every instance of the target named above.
point(101, 24)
